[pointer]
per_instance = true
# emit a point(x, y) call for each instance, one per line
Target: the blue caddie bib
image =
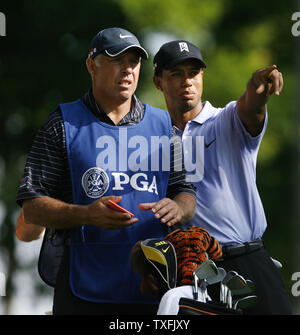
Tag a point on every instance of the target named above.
point(133, 162)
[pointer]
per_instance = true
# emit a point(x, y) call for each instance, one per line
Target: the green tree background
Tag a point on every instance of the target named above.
point(42, 63)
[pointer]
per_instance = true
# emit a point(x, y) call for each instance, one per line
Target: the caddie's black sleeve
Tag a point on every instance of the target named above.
point(46, 170)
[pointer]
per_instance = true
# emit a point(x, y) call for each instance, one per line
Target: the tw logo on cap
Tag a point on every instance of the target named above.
point(183, 47)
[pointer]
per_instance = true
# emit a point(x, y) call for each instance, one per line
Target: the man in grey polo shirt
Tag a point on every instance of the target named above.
point(221, 159)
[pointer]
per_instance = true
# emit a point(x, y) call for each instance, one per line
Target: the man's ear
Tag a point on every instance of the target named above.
point(157, 82)
point(90, 66)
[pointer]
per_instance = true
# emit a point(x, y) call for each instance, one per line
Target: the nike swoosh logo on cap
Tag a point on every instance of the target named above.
point(124, 36)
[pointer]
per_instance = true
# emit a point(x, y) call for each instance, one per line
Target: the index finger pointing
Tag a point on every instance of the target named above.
point(268, 70)
point(146, 205)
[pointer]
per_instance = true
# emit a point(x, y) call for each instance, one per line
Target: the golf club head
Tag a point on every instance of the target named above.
point(245, 302)
point(218, 278)
point(277, 263)
point(250, 285)
point(206, 270)
point(229, 275)
point(233, 284)
point(249, 288)
point(236, 283)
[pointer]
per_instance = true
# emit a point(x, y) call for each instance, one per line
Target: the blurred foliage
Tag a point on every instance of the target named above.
point(42, 63)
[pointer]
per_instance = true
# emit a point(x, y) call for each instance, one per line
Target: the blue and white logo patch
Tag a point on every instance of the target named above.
point(95, 182)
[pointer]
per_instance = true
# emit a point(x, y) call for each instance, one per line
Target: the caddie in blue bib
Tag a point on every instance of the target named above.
point(132, 162)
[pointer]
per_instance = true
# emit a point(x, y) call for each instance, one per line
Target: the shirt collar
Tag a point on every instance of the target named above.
point(206, 113)
point(134, 116)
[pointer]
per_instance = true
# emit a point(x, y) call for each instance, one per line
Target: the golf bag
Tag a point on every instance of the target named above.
point(178, 270)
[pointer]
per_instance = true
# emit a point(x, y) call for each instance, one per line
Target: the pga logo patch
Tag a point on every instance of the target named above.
point(95, 182)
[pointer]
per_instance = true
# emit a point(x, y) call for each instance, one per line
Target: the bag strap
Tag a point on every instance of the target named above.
point(192, 307)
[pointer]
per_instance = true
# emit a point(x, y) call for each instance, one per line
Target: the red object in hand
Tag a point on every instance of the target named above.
point(119, 208)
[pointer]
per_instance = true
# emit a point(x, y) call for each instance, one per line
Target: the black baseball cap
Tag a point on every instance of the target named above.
point(175, 52)
point(113, 41)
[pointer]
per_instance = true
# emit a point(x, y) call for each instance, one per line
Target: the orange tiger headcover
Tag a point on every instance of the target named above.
point(191, 246)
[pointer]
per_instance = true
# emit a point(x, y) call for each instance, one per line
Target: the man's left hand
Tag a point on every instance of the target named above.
point(166, 209)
